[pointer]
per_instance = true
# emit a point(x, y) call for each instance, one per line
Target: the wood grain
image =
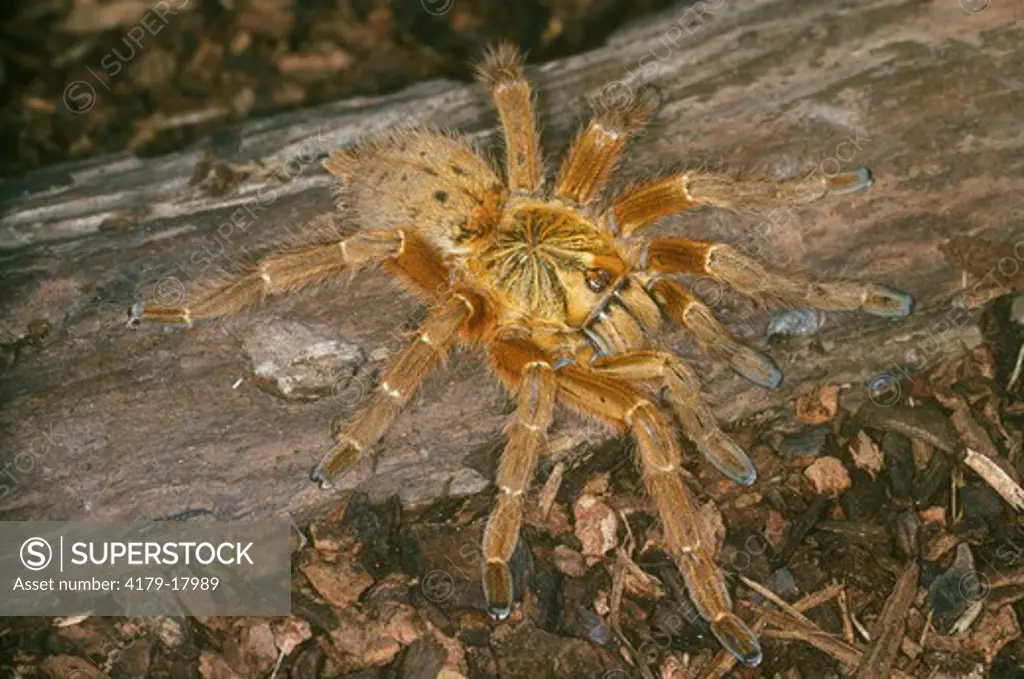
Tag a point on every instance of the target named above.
point(102, 422)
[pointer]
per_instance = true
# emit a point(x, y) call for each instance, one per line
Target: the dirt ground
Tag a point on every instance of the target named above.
point(854, 499)
point(882, 531)
point(82, 78)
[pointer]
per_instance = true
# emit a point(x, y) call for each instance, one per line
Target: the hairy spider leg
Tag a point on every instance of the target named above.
point(293, 270)
point(527, 438)
point(684, 395)
point(749, 276)
point(399, 382)
point(644, 204)
point(502, 71)
point(688, 312)
point(588, 166)
point(616, 403)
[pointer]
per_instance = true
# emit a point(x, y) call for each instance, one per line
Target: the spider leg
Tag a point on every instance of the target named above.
point(749, 276)
point(293, 270)
point(587, 167)
point(502, 71)
point(646, 203)
point(684, 395)
point(397, 385)
point(715, 339)
point(526, 440)
point(615, 402)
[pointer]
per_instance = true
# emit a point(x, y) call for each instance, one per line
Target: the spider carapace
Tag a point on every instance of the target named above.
point(559, 291)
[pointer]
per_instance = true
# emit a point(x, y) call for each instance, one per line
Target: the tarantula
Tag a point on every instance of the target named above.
point(559, 291)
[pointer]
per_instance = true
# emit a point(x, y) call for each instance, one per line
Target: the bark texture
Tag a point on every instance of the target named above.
point(101, 422)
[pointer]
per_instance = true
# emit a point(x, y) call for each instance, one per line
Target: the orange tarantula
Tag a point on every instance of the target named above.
point(559, 291)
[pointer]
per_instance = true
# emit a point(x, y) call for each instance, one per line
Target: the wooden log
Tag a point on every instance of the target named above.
point(102, 422)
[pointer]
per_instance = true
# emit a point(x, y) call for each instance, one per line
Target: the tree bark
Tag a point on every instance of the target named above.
point(102, 422)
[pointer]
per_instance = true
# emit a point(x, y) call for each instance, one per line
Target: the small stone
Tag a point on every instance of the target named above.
point(775, 529)
point(993, 631)
point(167, 630)
point(256, 648)
point(782, 583)
point(154, 68)
point(368, 648)
point(569, 562)
point(589, 625)
point(865, 454)
point(300, 362)
point(37, 330)
point(808, 442)
point(981, 502)
point(818, 406)
point(676, 666)
point(289, 633)
point(923, 452)
point(959, 671)
point(241, 42)
point(597, 525)
point(865, 498)
point(794, 322)
point(748, 499)
point(597, 484)
point(899, 462)
point(910, 648)
point(313, 62)
point(955, 589)
point(214, 666)
point(938, 543)
point(341, 583)
point(424, 658)
point(908, 529)
point(641, 583)
point(935, 514)
point(1017, 309)
point(828, 475)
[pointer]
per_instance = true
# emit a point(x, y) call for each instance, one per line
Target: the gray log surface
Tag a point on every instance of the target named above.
point(103, 422)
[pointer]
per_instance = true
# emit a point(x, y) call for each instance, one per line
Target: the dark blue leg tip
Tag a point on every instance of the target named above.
point(738, 639)
point(752, 659)
point(728, 458)
point(746, 479)
point(499, 611)
point(757, 368)
point(749, 478)
point(769, 379)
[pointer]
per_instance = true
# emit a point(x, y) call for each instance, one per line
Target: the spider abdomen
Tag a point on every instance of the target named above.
point(426, 181)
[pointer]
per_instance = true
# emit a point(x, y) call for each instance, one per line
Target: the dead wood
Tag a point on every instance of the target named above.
point(102, 422)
